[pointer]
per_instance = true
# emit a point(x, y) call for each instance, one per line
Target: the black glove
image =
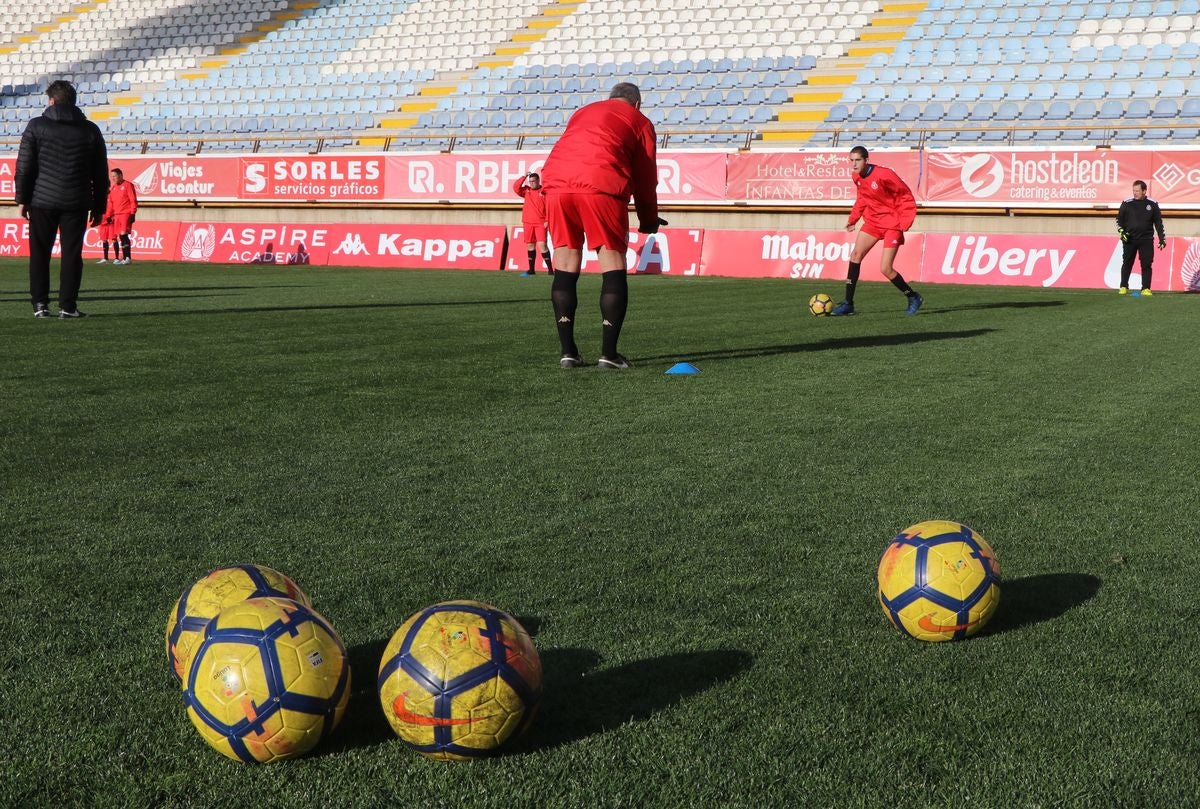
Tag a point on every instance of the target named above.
point(651, 228)
point(131, 219)
point(1124, 234)
point(1162, 244)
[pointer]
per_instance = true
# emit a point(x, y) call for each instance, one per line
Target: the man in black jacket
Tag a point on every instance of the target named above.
point(61, 177)
point(1137, 221)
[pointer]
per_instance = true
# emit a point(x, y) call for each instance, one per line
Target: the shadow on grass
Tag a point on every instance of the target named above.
point(258, 310)
point(579, 702)
point(23, 294)
point(1033, 599)
point(363, 724)
point(832, 344)
point(969, 307)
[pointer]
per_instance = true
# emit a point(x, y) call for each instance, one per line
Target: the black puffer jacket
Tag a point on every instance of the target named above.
point(63, 162)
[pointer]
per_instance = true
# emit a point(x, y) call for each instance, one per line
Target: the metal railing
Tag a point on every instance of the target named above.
point(1098, 134)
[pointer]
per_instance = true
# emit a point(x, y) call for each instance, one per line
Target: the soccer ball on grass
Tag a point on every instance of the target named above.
point(459, 679)
point(820, 304)
point(221, 588)
point(939, 580)
point(268, 680)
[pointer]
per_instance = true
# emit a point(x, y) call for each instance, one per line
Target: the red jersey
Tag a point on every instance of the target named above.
point(122, 200)
point(607, 148)
point(884, 201)
point(534, 210)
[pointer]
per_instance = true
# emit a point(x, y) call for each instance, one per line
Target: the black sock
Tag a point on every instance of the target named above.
point(532, 255)
point(852, 280)
point(105, 245)
point(549, 262)
point(564, 298)
point(899, 283)
point(125, 245)
point(614, 300)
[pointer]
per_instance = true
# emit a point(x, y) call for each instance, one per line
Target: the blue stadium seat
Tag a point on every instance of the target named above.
point(1060, 111)
point(958, 111)
point(1083, 111)
point(1111, 110)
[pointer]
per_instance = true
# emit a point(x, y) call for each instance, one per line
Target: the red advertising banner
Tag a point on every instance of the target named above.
point(177, 179)
point(1185, 265)
point(323, 178)
point(8, 167)
point(1055, 178)
point(469, 247)
point(798, 254)
point(668, 252)
point(1090, 262)
point(808, 178)
point(1175, 179)
point(151, 241)
point(14, 237)
point(489, 177)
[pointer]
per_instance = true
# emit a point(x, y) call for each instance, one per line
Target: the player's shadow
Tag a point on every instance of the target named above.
point(363, 723)
point(580, 700)
point(970, 307)
point(259, 310)
point(1032, 599)
point(831, 344)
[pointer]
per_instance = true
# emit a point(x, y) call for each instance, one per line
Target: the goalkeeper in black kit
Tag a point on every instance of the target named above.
point(1137, 222)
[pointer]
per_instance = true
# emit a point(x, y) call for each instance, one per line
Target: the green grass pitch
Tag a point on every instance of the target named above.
point(695, 555)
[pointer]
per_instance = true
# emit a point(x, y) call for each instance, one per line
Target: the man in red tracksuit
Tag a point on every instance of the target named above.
point(122, 206)
point(887, 207)
point(605, 155)
point(533, 220)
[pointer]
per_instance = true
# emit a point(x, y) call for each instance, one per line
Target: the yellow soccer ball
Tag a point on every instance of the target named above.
point(820, 304)
point(268, 681)
point(460, 679)
point(221, 588)
point(939, 580)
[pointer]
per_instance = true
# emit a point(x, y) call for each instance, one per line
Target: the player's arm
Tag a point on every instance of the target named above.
point(1122, 215)
point(645, 179)
point(905, 202)
point(133, 202)
point(1158, 225)
point(519, 186)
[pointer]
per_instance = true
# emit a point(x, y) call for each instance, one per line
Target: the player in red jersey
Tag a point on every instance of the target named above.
point(605, 155)
point(533, 220)
point(887, 207)
point(122, 206)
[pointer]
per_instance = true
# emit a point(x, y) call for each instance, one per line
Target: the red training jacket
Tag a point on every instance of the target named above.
point(122, 199)
point(884, 200)
point(608, 148)
point(534, 210)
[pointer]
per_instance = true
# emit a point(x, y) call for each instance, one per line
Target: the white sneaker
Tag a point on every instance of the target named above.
point(103, 261)
point(119, 261)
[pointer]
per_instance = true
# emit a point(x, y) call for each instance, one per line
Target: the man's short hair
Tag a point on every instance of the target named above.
point(534, 175)
point(63, 92)
point(117, 172)
point(860, 150)
point(1140, 184)
point(627, 91)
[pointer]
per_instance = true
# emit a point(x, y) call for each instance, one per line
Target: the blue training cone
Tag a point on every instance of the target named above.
point(683, 368)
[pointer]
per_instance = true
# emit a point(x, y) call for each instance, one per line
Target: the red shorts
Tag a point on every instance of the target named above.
point(120, 223)
point(600, 219)
point(105, 232)
point(534, 232)
point(890, 238)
